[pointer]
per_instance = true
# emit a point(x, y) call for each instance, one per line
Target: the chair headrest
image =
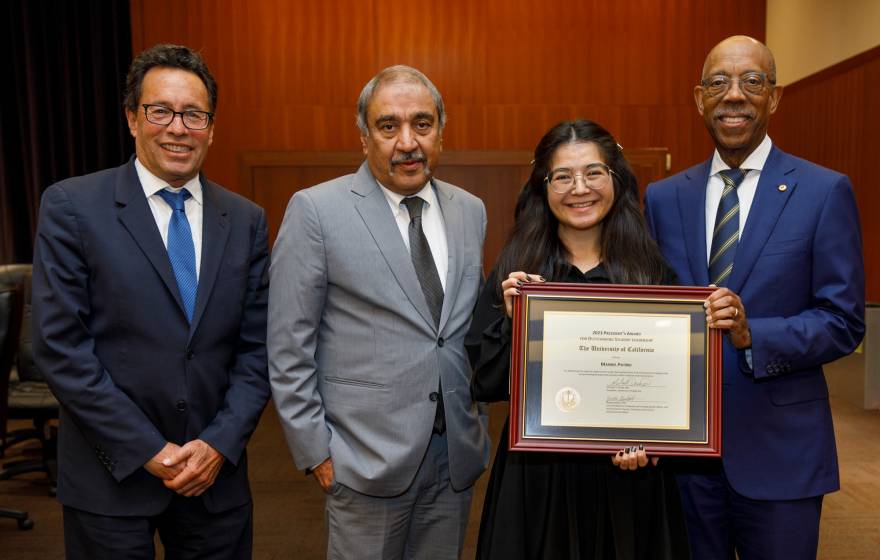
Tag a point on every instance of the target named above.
point(18, 275)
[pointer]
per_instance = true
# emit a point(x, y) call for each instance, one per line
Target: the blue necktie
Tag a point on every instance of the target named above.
point(181, 250)
point(726, 234)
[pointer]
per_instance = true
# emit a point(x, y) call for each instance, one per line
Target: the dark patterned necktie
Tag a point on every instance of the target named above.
point(181, 250)
point(423, 260)
point(426, 270)
point(725, 236)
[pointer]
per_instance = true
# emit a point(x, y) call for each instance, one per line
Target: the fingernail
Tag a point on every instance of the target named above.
point(519, 283)
point(641, 447)
point(620, 453)
point(516, 292)
point(541, 278)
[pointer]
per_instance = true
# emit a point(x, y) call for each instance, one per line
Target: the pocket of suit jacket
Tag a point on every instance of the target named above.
point(354, 382)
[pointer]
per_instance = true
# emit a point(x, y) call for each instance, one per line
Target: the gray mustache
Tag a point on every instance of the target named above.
point(409, 157)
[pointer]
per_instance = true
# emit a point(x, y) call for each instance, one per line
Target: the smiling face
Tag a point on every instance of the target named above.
point(172, 152)
point(582, 208)
point(737, 120)
point(403, 141)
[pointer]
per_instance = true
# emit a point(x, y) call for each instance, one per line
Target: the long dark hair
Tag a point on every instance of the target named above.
point(629, 254)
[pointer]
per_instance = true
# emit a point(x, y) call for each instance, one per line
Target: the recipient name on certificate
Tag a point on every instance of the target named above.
point(616, 370)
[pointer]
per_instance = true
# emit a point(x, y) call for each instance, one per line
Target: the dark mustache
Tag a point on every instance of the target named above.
point(409, 157)
point(727, 113)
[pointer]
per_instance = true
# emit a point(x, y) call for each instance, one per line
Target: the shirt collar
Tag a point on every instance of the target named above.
point(756, 159)
point(152, 184)
point(597, 274)
point(395, 199)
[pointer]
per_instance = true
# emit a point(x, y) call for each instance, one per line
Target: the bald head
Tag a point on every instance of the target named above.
point(741, 46)
point(736, 95)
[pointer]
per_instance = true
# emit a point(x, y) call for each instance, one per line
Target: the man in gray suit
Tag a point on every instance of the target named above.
point(372, 284)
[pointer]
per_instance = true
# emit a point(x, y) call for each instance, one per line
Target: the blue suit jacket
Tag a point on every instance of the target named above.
point(800, 275)
point(112, 339)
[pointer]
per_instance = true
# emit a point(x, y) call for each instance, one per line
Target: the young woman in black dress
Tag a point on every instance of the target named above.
point(577, 220)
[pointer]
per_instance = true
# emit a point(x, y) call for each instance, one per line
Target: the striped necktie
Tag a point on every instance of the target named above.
point(181, 250)
point(726, 234)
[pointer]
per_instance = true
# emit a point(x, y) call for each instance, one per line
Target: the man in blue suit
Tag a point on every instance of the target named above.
point(149, 301)
point(780, 236)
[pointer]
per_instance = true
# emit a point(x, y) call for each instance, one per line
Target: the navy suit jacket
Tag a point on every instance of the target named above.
point(799, 272)
point(112, 339)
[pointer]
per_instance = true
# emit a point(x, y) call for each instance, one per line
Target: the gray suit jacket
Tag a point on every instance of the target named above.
point(353, 351)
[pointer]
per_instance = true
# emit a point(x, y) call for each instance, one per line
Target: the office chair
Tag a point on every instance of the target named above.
point(10, 324)
point(29, 397)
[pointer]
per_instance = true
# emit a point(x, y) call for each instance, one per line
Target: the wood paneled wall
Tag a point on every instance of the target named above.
point(290, 71)
point(271, 178)
point(832, 118)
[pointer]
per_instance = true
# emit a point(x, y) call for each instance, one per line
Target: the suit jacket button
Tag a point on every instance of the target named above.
point(181, 406)
point(440, 342)
point(190, 355)
point(434, 396)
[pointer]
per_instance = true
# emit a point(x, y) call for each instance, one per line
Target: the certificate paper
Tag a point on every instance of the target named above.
point(621, 370)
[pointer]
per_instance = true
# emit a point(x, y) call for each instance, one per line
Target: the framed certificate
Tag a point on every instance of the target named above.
point(599, 367)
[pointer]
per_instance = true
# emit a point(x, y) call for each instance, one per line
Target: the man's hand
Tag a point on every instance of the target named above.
point(324, 474)
point(158, 467)
point(199, 464)
point(724, 310)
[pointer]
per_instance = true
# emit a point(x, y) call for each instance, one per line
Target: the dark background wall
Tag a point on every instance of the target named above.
point(64, 65)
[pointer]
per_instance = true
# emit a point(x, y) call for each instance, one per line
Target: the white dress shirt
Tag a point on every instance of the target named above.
point(432, 225)
point(162, 211)
point(753, 165)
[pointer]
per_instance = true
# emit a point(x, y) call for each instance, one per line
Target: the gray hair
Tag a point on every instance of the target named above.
point(392, 74)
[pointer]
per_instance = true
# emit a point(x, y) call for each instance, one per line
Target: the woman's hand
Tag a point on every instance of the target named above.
point(632, 458)
point(510, 287)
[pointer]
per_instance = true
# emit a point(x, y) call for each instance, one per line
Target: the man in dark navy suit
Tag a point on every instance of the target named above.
point(781, 237)
point(149, 301)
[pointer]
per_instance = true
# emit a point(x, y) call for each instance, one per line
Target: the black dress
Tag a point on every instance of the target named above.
point(564, 506)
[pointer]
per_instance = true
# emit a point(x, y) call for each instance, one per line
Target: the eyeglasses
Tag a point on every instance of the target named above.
point(193, 120)
point(596, 176)
point(754, 83)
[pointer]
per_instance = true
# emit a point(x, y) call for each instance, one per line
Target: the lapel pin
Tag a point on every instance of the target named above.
point(782, 188)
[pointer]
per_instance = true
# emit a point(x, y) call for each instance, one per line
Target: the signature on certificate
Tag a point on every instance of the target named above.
point(628, 382)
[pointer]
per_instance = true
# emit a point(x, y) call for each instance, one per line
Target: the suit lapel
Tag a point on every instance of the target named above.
point(137, 218)
point(376, 214)
point(764, 213)
point(692, 207)
point(452, 221)
point(215, 233)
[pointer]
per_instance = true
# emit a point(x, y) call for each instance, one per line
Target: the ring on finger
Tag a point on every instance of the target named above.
point(735, 312)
